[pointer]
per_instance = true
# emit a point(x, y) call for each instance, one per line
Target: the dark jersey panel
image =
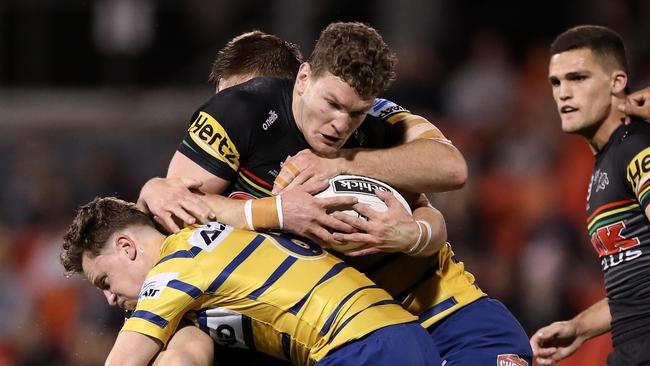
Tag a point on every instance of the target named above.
point(252, 116)
point(256, 118)
point(619, 229)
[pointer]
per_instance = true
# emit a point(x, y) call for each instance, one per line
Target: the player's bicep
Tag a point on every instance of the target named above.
point(416, 127)
point(410, 126)
point(133, 348)
point(183, 167)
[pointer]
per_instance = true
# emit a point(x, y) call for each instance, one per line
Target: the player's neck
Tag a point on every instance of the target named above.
point(149, 245)
point(604, 132)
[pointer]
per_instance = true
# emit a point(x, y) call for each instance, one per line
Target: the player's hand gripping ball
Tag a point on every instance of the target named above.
point(363, 188)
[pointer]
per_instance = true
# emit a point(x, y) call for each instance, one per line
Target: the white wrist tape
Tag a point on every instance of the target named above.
point(248, 212)
point(427, 240)
point(278, 205)
point(417, 242)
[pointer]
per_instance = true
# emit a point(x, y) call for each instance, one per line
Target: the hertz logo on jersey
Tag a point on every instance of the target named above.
point(210, 136)
point(638, 169)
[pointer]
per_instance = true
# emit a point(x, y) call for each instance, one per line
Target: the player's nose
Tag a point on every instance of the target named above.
point(565, 91)
point(342, 124)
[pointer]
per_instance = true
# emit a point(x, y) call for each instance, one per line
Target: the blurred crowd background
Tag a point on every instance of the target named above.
point(96, 94)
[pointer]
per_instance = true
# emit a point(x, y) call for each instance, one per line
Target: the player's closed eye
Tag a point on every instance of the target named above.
point(333, 104)
point(102, 283)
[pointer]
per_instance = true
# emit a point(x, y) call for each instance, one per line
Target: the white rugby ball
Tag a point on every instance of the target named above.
point(363, 188)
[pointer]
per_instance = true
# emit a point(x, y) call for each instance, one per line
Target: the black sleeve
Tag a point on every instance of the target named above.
point(379, 129)
point(635, 157)
point(219, 137)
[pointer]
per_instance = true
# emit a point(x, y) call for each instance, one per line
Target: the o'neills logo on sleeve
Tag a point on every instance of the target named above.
point(358, 185)
point(511, 360)
point(208, 133)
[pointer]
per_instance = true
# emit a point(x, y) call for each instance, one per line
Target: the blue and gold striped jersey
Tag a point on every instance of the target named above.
point(431, 287)
point(272, 293)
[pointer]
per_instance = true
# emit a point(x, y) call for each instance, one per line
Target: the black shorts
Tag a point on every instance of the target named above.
point(631, 353)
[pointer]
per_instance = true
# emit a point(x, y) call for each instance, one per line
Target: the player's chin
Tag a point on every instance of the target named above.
point(568, 127)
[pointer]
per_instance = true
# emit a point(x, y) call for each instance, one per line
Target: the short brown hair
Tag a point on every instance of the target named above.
point(259, 54)
point(356, 53)
point(602, 41)
point(94, 224)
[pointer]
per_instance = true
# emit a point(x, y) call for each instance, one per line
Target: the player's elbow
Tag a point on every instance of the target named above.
point(185, 357)
point(458, 175)
point(124, 360)
point(115, 361)
point(450, 178)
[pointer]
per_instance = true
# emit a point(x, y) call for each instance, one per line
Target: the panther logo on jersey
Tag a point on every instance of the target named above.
point(602, 181)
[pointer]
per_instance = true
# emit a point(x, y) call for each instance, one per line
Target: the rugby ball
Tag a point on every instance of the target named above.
point(363, 188)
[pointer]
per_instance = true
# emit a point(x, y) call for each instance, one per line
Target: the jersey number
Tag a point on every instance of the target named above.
point(297, 247)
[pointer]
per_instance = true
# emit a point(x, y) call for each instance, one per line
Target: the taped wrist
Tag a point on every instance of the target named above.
point(424, 238)
point(264, 213)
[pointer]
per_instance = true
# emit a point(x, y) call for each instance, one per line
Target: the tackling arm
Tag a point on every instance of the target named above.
point(439, 165)
point(425, 162)
point(132, 348)
point(178, 197)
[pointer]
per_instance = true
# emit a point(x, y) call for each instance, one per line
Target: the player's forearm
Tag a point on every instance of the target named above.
point(133, 349)
point(593, 321)
point(422, 165)
point(227, 210)
point(257, 214)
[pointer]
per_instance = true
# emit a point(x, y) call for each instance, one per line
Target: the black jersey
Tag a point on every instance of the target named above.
point(619, 229)
point(244, 133)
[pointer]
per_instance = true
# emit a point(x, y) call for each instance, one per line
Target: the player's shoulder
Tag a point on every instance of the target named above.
point(242, 99)
point(638, 130)
point(384, 109)
point(629, 147)
point(632, 138)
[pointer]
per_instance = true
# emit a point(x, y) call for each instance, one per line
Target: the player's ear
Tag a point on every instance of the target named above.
point(302, 79)
point(125, 245)
point(619, 81)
